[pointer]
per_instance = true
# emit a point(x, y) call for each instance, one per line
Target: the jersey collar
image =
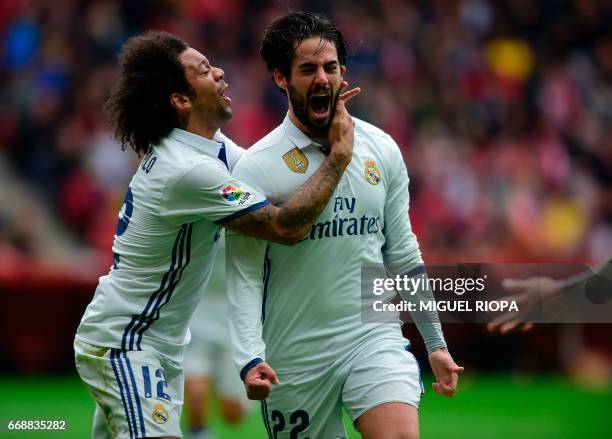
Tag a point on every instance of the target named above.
point(298, 138)
point(202, 144)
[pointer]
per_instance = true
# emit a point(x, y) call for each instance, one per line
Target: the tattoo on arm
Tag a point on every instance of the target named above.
point(253, 222)
point(290, 222)
point(309, 200)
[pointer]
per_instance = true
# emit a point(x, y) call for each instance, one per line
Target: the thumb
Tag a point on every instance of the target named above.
point(267, 372)
point(457, 369)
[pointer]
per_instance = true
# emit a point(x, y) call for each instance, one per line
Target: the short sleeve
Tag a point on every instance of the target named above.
point(207, 190)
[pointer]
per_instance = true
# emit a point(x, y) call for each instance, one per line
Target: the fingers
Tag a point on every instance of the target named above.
point(457, 369)
point(344, 97)
point(259, 381)
point(516, 325)
point(507, 320)
point(446, 389)
point(447, 386)
point(268, 372)
point(505, 326)
point(495, 324)
point(258, 388)
point(264, 371)
point(527, 327)
point(509, 327)
point(515, 285)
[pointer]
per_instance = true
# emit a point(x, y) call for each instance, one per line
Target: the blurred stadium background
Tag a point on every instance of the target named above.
point(503, 110)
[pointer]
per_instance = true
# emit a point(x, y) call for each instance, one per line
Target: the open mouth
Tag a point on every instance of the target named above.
point(319, 104)
point(222, 93)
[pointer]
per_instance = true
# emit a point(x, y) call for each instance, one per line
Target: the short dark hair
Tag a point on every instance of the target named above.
point(139, 106)
point(284, 35)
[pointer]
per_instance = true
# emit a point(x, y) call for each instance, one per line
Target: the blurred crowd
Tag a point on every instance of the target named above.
point(503, 111)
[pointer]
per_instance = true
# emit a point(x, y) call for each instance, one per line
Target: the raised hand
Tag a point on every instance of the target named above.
point(342, 129)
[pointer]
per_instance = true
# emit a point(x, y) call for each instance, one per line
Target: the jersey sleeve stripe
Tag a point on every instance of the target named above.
point(242, 212)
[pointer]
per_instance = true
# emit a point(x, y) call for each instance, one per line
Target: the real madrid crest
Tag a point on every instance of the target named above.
point(160, 415)
point(371, 171)
point(296, 160)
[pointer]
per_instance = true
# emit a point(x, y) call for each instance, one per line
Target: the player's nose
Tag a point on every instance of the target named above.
point(219, 73)
point(320, 77)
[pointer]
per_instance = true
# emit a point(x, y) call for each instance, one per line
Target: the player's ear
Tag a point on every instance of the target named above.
point(180, 101)
point(280, 79)
point(342, 70)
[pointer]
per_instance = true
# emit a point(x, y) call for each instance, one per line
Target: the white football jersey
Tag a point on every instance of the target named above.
point(209, 320)
point(166, 243)
point(299, 307)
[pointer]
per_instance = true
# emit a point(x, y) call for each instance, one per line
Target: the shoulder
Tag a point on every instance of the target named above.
point(260, 161)
point(233, 150)
point(175, 154)
point(364, 128)
point(379, 139)
point(260, 158)
point(273, 139)
point(197, 173)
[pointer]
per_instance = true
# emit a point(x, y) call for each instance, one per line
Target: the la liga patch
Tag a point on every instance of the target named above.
point(235, 194)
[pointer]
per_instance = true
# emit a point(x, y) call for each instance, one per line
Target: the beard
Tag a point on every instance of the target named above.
point(215, 115)
point(299, 104)
point(220, 112)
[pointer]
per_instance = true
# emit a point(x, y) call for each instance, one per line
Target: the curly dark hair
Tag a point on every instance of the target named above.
point(284, 35)
point(139, 106)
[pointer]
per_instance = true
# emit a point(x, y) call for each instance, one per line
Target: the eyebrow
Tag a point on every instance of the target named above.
point(307, 64)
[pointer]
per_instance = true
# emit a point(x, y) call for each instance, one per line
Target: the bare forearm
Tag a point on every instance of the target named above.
point(287, 224)
point(309, 200)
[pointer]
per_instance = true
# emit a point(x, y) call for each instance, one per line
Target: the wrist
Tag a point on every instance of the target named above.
point(438, 351)
point(338, 159)
point(250, 365)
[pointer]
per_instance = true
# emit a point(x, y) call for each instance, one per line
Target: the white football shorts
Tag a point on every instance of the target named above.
point(138, 393)
point(309, 403)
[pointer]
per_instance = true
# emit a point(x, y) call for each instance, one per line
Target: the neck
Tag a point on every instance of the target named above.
point(303, 128)
point(200, 129)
